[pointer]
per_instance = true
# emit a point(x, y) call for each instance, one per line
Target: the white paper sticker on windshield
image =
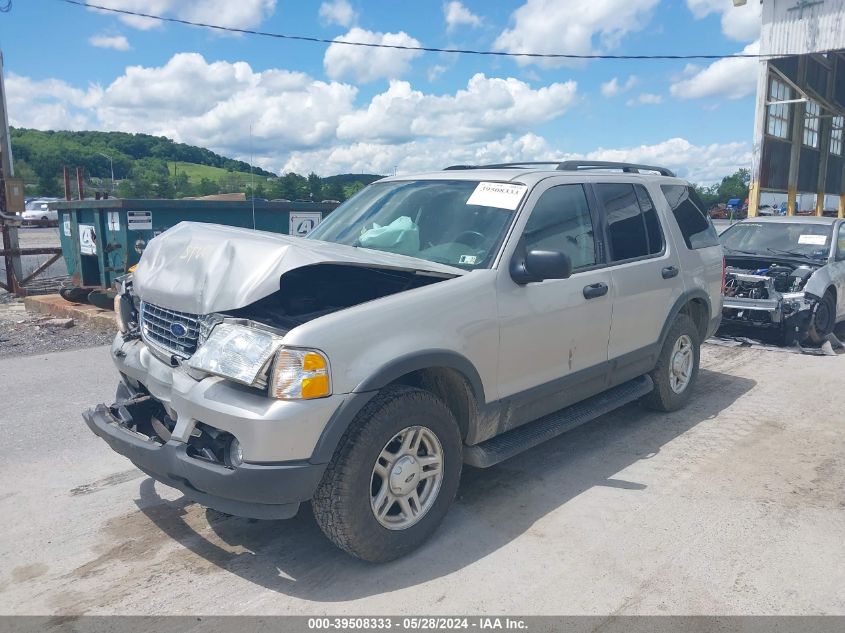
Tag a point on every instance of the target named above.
point(501, 195)
point(817, 240)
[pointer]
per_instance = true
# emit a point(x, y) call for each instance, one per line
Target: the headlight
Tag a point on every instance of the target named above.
point(300, 374)
point(124, 311)
point(236, 352)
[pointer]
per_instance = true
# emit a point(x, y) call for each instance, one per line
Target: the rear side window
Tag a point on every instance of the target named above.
point(561, 222)
point(652, 224)
point(632, 225)
point(688, 209)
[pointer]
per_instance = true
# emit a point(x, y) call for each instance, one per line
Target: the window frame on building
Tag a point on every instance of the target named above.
point(812, 124)
point(836, 135)
point(778, 114)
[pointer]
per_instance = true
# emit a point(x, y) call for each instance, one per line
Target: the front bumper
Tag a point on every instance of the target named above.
point(280, 440)
point(268, 430)
point(249, 490)
point(789, 314)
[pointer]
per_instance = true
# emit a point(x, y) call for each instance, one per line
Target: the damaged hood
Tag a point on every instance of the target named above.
point(203, 268)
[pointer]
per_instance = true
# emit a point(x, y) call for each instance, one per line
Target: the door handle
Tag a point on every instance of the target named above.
point(594, 291)
point(669, 272)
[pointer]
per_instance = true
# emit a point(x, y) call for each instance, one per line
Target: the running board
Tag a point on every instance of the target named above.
point(513, 442)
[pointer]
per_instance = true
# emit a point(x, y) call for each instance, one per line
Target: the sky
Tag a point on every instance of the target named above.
point(331, 108)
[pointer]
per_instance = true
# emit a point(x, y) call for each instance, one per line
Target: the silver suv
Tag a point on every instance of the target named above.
point(449, 318)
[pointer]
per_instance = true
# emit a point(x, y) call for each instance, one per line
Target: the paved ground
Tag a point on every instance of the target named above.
point(735, 505)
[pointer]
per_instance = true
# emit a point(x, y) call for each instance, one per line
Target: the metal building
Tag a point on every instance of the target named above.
point(798, 131)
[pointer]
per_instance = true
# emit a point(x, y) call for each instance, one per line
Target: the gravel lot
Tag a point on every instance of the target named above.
point(735, 505)
point(23, 334)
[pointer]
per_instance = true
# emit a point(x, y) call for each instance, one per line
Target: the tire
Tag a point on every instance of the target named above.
point(823, 319)
point(666, 396)
point(344, 501)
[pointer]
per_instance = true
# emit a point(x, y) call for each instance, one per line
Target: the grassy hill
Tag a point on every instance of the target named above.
point(148, 166)
point(196, 173)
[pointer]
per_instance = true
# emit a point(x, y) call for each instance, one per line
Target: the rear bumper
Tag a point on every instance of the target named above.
point(261, 491)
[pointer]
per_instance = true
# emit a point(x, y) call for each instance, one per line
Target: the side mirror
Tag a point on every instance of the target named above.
point(540, 265)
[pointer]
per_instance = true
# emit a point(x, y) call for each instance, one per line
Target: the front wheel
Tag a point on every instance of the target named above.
point(822, 320)
point(677, 367)
point(393, 477)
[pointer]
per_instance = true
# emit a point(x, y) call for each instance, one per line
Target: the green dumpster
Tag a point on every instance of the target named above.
point(101, 239)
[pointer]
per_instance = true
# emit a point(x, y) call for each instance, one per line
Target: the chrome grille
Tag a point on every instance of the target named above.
point(158, 325)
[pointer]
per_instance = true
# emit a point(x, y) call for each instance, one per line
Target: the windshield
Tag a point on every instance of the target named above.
point(778, 238)
point(435, 220)
point(36, 205)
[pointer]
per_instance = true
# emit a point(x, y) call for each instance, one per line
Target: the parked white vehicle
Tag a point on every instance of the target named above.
point(38, 213)
point(460, 316)
point(786, 274)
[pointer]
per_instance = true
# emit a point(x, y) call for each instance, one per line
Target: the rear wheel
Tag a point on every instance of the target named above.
point(393, 476)
point(823, 319)
point(677, 367)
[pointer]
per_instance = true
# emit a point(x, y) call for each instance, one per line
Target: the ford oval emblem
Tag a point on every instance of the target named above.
point(178, 330)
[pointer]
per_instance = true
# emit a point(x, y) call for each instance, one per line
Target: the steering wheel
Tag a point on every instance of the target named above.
point(476, 238)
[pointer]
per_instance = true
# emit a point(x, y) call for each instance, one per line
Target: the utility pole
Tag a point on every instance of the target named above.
point(9, 223)
point(111, 167)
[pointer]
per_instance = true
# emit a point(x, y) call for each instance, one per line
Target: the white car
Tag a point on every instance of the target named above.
point(785, 275)
point(38, 213)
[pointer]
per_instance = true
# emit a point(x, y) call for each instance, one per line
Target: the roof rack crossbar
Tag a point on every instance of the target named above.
point(526, 163)
point(572, 165)
point(631, 168)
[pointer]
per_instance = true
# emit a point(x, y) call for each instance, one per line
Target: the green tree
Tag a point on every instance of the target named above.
point(315, 184)
point(709, 195)
point(734, 186)
point(351, 189)
point(208, 187)
point(230, 183)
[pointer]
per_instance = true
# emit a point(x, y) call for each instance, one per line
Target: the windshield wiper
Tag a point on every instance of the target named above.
point(736, 250)
point(778, 251)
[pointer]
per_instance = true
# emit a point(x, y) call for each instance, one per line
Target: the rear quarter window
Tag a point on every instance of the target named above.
point(697, 230)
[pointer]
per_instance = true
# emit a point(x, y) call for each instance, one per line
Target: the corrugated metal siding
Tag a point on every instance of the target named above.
point(817, 74)
point(808, 170)
point(788, 66)
point(839, 83)
point(833, 184)
point(775, 165)
point(786, 32)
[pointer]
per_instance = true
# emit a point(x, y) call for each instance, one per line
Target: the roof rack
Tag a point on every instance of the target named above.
point(573, 165)
point(630, 168)
point(504, 165)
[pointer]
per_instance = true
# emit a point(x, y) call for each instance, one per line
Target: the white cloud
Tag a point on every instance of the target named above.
point(487, 108)
point(738, 23)
point(49, 104)
point(241, 14)
point(645, 98)
point(213, 104)
point(552, 26)
point(303, 124)
point(416, 156)
point(614, 88)
point(338, 12)
point(456, 15)
point(732, 78)
point(435, 71)
point(363, 64)
point(704, 164)
point(116, 42)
